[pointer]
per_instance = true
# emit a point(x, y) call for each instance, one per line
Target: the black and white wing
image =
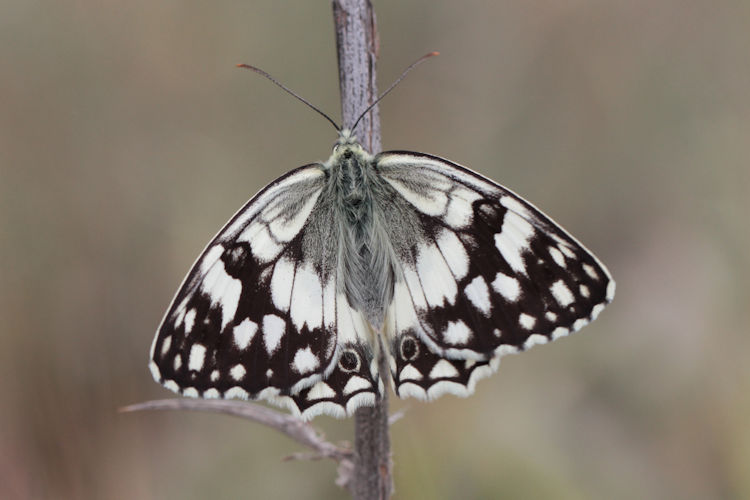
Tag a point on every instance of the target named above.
point(258, 315)
point(488, 274)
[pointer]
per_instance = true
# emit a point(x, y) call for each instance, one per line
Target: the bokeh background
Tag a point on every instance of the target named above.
point(127, 138)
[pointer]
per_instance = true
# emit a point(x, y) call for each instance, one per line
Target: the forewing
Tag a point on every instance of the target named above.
point(487, 274)
point(258, 315)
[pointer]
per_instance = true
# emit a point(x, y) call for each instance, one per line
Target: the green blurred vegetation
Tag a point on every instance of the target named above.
point(127, 138)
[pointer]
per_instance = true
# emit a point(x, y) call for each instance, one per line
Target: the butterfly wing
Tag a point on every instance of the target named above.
point(489, 274)
point(258, 315)
point(417, 371)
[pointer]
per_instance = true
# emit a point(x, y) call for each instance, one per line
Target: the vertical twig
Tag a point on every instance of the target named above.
point(357, 45)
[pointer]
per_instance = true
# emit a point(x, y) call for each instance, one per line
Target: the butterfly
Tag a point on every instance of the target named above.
point(404, 255)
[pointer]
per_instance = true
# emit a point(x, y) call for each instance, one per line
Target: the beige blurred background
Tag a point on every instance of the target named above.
point(127, 138)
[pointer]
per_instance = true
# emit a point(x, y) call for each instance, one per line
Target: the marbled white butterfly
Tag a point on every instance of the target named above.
point(399, 254)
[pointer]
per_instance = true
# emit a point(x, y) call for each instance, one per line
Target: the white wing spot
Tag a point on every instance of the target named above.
point(190, 392)
point(579, 324)
point(214, 375)
point(189, 320)
point(180, 313)
point(535, 339)
point(350, 324)
point(504, 349)
point(197, 357)
point(401, 315)
point(561, 293)
point(177, 362)
point(584, 290)
point(507, 286)
point(305, 361)
point(411, 390)
point(559, 332)
point(414, 289)
point(457, 333)
point(262, 245)
point(479, 295)
point(360, 400)
point(321, 390)
point(166, 345)
point(355, 384)
point(307, 299)
point(237, 372)
point(236, 393)
point(459, 212)
point(172, 386)
point(211, 257)
point(567, 251)
point(443, 369)
point(431, 203)
point(244, 333)
point(273, 329)
point(437, 280)
point(454, 253)
point(611, 290)
point(557, 256)
point(550, 316)
point(497, 332)
point(269, 373)
point(596, 311)
point(281, 283)
point(526, 321)
point(410, 373)
point(590, 271)
point(513, 240)
point(513, 204)
point(222, 289)
point(154, 371)
point(211, 394)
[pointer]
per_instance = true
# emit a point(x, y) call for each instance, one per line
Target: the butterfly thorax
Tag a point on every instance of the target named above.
point(365, 264)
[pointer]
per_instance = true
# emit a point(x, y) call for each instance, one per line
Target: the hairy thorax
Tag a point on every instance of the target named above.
point(365, 264)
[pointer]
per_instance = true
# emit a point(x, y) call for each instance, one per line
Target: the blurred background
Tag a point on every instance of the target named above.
point(128, 138)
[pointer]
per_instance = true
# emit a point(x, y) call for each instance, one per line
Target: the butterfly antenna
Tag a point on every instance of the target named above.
point(393, 85)
point(291, 92)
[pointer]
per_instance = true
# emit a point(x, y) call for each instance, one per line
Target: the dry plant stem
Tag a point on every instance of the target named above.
point(300, 431)
point(357, 45)
point(372, 450)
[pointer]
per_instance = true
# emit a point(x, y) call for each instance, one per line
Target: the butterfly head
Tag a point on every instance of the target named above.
point(347, 142)
point(346, 137)
point(348, 149)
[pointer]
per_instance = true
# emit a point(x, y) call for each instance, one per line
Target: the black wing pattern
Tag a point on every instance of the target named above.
point(489, 275)
point(258, 315)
